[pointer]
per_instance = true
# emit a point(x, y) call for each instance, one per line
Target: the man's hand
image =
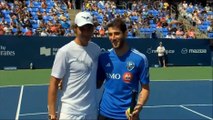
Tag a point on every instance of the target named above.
point(135, 113)
point(52, 117)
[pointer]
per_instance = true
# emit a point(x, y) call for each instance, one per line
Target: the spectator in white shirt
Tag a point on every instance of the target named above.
point(161, 55)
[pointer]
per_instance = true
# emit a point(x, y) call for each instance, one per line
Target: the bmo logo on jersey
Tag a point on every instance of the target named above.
point(115, 76)
point(127, 77)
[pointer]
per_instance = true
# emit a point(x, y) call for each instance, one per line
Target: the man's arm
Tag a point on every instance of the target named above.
point(142, 98)
point(144, 95)
point(52, 96)
point(100, 75)
point(99, 83)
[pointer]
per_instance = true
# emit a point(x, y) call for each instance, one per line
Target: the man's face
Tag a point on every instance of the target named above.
point(116, 36)
point(86, 30)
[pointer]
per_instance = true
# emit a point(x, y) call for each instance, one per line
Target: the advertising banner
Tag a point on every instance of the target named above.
point(24, 52)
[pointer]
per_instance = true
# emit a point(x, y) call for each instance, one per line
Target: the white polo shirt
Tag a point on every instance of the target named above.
point(161, 50)
point(77, 65)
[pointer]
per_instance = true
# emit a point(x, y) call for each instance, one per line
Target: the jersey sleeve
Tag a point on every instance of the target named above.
point(59, 65)
point(101, 76)
point(144, 71)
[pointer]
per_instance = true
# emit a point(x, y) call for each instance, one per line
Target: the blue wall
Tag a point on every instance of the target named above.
point(21, 51)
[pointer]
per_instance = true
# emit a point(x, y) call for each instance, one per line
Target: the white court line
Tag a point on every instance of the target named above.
point(182, 80)
point(197, 105)
point(32, 114)
point(19, 103)
point(169, 106)
point(202, 115)
point(179, 80)
point(149, 106)
point(24, 85)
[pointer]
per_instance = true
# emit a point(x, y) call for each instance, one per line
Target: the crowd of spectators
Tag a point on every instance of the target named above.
point(146, 19)
point(199, 16)
point(142, 18)
point(35, 17)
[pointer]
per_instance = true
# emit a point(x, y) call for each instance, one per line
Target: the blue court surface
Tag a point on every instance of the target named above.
point(172, 100)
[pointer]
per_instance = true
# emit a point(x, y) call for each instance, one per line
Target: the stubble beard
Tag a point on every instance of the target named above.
point(118, 44)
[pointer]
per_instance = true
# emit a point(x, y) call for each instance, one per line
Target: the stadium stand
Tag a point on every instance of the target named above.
point(145, 19)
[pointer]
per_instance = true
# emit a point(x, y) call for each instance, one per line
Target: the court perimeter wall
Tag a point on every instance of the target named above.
point(20, 51)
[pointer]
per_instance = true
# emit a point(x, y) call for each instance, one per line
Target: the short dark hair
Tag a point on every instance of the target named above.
point(119, 23)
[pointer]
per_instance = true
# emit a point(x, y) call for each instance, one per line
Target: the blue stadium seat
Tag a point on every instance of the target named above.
point(35, 26)
point(142, 30)
point(122, 11)
point(64, 7)
point(33, 13)
point(37, 4)
point(5, 12)
point(7, 16)
point(50, 17)
point(153, 25)
point(95, 13)
point(42, 10)
point(99, 17)
point(65, 25)
point(208, 23)
point(203, 28)
point(164, 30)
point(24, 30)
point(29, 9)
point(210, 35)
point(27, 3)
point(14, 30)
point(101, 6)
point(45, 18)
point(150, 11)
point(210, 13)
point(48, 10)
point(11, 4)
point(35, 9)
point(100, 21)
point(129, 35)
point(151, 21)
point(189, 10)
point(134, 18)
point(98, 27)
point(7, 20)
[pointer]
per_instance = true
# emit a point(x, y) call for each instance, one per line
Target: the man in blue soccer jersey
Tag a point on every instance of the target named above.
point(122, 68)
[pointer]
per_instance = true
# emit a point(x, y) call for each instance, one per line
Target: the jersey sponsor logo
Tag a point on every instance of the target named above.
point(127, 77)
point(130, 65)
point(115, 76)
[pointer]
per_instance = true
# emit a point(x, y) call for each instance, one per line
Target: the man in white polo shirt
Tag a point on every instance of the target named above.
point(75, 65)
point(161, 55)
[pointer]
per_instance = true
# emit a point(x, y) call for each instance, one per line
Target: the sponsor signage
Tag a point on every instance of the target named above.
point(40, 51)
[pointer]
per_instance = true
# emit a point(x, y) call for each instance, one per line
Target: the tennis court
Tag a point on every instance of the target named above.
point(169, 99)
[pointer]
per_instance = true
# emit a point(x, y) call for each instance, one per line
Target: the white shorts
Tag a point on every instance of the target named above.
point(64, 116)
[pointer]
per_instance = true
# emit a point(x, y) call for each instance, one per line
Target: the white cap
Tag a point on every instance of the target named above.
point(83, 18)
